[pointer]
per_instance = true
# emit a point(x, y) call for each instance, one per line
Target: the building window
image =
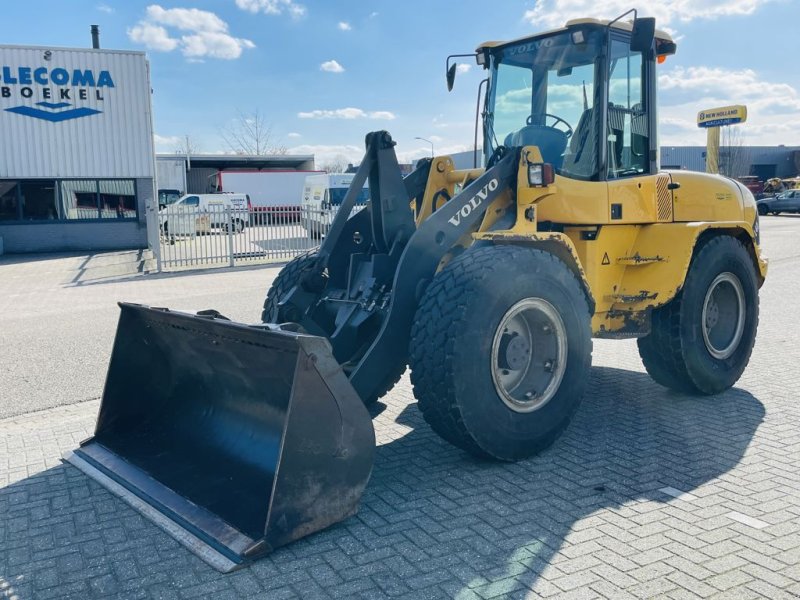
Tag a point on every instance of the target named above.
point(117, 199)
point(79, 199)
point(39, 202)
point(9, 200)
point(67, 200)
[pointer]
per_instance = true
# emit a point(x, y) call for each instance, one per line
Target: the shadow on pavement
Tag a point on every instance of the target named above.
point(491, 522)
point(433, 520)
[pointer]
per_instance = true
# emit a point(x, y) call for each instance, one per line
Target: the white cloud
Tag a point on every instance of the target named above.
point(167, 143)
point(373, 14)
point(463, 67)
point(293, 134)
point(327, 153)
point(347, 113)
point(331, 66)
point(354, 153)
point(188, 19)
point(273, 7)
point(382, 114)
point(772, 107)
point(152, 36)
point(554, 13)
point(206, 34)
point(214, 45)
point(104, 8)
point(423, 150)
point(344, 26)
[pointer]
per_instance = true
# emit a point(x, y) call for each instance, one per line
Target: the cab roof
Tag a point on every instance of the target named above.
point(662, 36)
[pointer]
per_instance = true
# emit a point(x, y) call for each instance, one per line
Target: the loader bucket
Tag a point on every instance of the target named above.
point(235, 439)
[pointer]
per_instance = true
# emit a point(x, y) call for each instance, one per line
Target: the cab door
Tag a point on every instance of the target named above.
point(637, 192)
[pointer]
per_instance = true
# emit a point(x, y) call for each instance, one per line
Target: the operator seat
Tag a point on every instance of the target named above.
point(580, 160)
point(551, 142)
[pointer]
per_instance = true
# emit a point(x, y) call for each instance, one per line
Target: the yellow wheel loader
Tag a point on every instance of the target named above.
point(488, 282)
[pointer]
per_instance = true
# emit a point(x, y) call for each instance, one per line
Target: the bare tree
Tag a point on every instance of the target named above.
point(188, 146)
point(734, 157)
point(337, 164)
point(249, 133)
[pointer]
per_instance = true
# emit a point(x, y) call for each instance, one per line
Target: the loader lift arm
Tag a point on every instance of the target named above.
point(378, 263)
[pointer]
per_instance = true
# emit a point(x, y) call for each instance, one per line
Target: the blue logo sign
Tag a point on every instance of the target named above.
point(53, 112)
point(52, 87)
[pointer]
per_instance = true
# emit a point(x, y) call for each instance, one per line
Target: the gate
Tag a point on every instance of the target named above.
point(224, 236)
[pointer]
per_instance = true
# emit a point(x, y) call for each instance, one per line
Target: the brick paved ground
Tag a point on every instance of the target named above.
point(595, 516)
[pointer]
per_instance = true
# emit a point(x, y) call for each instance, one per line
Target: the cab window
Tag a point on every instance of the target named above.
point(191, 201)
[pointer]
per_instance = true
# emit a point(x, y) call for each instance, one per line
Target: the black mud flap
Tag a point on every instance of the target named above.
point(233, 438)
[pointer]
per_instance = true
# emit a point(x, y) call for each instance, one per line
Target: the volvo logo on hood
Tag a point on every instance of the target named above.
point(53, 91)
point(473, 203)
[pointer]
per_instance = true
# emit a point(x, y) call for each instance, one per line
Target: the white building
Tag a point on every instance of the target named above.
point(77, 167)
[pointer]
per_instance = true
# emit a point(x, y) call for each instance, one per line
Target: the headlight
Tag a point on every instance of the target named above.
point(540, 174)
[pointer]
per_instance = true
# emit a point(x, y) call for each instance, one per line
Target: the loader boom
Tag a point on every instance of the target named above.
point(369, 302)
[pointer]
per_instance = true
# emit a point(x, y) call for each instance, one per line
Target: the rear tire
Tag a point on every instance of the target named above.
point(501, 351)
point(700, 342)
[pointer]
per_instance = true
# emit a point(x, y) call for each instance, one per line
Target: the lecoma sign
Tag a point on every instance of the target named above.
point(53, 91)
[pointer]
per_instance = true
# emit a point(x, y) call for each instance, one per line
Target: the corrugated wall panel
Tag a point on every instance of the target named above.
point(117, 142)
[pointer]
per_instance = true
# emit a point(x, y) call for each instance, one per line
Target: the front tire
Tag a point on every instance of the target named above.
point(701, 341)
point(501, 351)
point(288, 278)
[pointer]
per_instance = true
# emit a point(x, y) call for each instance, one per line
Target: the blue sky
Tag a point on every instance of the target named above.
point(213, 59)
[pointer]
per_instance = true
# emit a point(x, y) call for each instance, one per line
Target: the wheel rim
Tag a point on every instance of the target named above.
point(529, 355)
point(723, 315)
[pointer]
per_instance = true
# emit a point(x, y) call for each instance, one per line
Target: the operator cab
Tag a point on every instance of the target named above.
point(566, 90)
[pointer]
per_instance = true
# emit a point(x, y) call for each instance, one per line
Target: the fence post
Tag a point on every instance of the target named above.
point(231, 232)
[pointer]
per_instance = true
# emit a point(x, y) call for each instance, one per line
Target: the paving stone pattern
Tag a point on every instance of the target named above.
point(648, 494)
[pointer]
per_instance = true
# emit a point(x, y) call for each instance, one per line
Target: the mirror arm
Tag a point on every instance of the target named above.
point(451, 78)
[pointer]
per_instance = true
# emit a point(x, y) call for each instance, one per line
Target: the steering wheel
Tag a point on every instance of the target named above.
point(557, 120)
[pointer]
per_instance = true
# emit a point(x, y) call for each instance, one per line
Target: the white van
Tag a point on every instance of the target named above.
point(322, 196)
point(196, 213)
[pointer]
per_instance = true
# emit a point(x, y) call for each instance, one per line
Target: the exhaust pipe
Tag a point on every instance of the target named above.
point(95, 37)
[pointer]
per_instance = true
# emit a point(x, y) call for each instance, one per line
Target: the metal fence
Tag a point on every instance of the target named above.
point(192, 237)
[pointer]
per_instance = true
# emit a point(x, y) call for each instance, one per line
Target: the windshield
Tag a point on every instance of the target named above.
point(543, 94)
point(167, 198)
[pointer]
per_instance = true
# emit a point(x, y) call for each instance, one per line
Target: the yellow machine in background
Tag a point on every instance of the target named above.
point(488, 283)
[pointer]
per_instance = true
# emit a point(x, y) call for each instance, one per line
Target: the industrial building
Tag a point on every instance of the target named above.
point(762, 161)
point(196, 174)
point(76, 153)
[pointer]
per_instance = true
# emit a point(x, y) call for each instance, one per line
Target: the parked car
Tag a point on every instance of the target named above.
point(195, 213)
point(788, 201)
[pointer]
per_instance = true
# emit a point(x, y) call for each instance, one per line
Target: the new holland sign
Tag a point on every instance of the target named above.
point(717, 117)
point(51, 91)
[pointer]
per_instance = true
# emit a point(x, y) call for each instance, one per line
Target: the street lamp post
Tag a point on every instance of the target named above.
point(424, 140)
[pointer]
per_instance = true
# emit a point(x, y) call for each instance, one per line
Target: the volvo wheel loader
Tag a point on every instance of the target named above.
point(489, 283)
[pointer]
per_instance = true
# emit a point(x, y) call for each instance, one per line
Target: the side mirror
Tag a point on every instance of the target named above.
point(451, 76)
point(643, 34)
